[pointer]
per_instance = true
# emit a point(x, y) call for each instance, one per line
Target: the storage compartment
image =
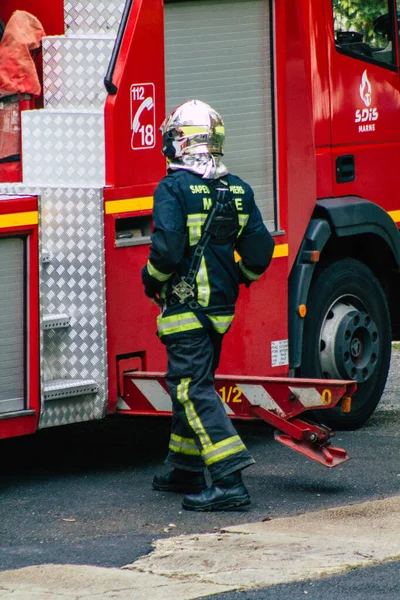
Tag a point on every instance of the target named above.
point(132, 231)
point(219, 51)
point(12, 324)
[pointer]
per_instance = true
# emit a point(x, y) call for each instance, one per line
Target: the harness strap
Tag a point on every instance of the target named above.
point(222, 222)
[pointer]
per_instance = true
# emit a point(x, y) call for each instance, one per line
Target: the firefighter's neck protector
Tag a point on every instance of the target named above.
point(193, 139)
point(205, 165)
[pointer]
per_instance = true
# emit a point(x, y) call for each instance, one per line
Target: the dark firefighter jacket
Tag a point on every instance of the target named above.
point(182, 201)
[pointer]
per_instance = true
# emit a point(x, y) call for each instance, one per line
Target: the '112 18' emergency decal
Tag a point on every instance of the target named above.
point(367, 116)
point(143, 116)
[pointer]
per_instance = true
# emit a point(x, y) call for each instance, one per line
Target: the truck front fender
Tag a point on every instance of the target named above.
point(343, 217)
point(351, 215)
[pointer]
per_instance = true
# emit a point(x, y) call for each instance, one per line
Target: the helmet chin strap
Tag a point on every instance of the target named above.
point(208, 166)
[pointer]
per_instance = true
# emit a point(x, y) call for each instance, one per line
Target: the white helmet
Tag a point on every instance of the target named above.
point(193, 128)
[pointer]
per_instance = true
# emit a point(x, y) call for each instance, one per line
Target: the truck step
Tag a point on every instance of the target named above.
point(60, 147)
point(56, 321)
point(276, 400)
point(89, 17)
point(74, 70)
point(73, 283)
point(66, 388)
point(19, 189)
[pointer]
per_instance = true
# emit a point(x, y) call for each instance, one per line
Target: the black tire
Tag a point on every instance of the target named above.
point(347, 335)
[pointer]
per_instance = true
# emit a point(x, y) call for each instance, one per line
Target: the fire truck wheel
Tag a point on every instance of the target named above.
point(347, 335)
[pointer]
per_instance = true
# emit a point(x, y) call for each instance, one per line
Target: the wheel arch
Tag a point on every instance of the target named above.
point(352, 216)
point(339, 228)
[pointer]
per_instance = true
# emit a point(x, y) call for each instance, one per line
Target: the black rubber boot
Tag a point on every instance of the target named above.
point(225, 494)
point(180, 481)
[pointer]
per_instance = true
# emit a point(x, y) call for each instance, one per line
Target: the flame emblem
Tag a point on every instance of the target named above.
point(365, 89)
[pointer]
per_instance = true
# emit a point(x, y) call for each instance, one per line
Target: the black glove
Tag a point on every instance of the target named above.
point(243, 279)
point(150, 293)
point(152, 287)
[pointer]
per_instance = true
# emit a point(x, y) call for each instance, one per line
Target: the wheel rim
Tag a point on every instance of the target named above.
point(349, 341)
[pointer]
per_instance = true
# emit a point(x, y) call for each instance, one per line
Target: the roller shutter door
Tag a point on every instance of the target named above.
point(218, 51)
point(12, 309)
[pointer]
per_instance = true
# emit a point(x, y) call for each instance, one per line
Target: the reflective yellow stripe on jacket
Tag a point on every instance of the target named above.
point(177, 323)
point(221, 323)
point(194, 224)
point(242, 218)
point(249, 274)
point(196, 221)
point(156, 273)
point(203, 284)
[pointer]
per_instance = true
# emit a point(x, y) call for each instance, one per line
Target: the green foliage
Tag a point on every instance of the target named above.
point(359, 15)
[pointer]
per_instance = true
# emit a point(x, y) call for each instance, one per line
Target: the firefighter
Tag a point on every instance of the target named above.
point(201, 215)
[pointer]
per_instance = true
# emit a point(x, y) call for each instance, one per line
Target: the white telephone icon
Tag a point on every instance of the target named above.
point(147, 103)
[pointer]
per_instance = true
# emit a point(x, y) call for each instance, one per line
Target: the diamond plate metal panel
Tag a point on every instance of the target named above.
point(18, 189)
point(71, 410)
point(89, 17)
point(74, 70)
point(63, 148)
point(71, 229)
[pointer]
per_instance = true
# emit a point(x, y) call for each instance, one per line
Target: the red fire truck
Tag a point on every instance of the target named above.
point(309, 91)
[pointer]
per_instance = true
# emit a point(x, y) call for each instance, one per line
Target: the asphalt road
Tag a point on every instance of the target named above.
point(370, 583)
point(82, 494)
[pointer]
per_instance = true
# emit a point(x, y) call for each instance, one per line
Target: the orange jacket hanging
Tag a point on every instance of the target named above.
point(22, 36)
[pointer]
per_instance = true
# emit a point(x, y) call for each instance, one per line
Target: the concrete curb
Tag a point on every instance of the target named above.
point(242, 557)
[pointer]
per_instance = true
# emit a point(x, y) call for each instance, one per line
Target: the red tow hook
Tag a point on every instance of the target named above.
point(309, 439)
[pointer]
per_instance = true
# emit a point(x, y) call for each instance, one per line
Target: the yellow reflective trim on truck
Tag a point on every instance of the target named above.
point(19, 219)
point(129, 205)
point(395, 215)
point(281, 250)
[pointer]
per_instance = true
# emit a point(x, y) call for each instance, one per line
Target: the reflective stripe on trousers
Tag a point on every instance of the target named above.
point(199, 417)
point(183, 445)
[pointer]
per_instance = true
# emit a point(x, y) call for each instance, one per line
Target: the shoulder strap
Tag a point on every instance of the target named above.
point(214, 226)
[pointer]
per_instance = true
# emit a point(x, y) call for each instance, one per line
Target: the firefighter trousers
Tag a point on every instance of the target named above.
point(202, 435)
